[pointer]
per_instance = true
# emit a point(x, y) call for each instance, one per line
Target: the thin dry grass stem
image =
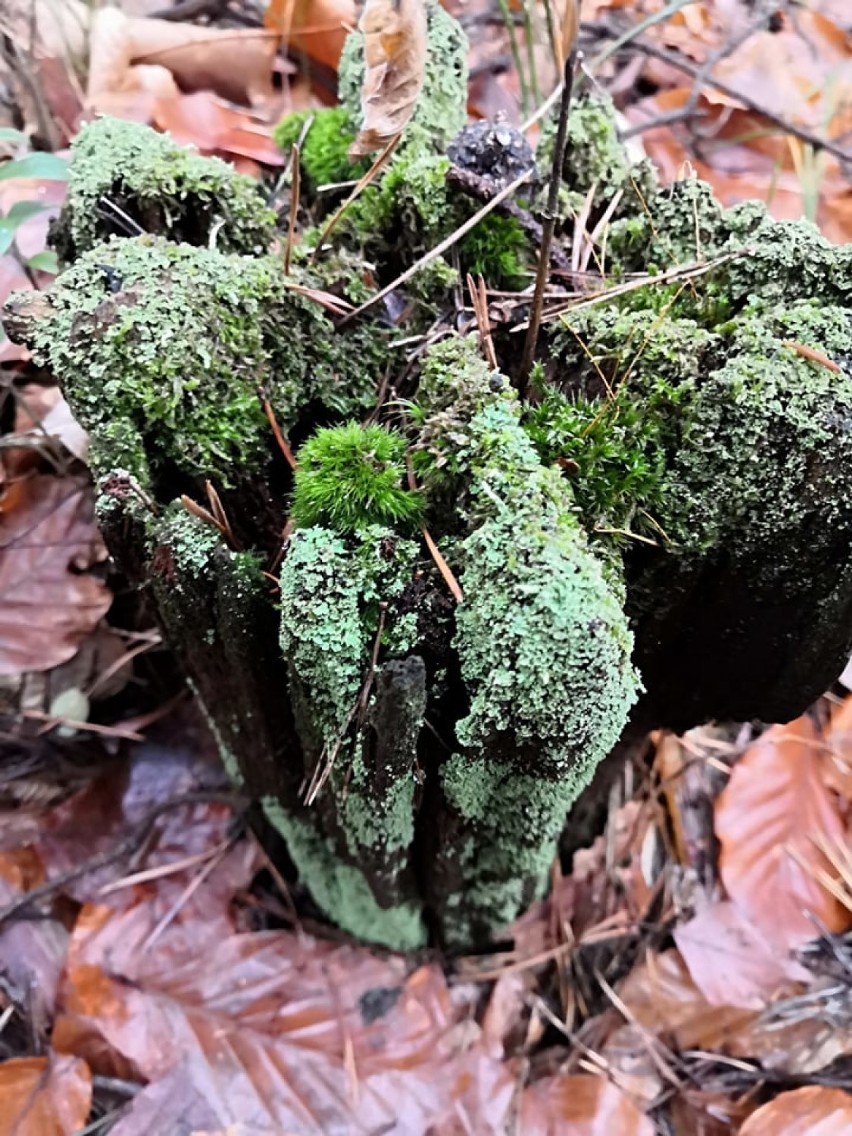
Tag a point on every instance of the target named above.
point(443, 567)
point(439, 561)
point(163, 870)
point(278, 880)
point(479, 300)
point(520, 965)
point(686, 272)
point(281, 441)
point(295, 189)
point(442, 247)
point(334, 304)
point(214, 516)
point(580, 227)
point(151, 641)
point(598, 235)
point(325, 765)
point(358, 189)
point(812, 355)
point(84, 727)
point(548, 227)
point(663, 1058)
point(187, 894)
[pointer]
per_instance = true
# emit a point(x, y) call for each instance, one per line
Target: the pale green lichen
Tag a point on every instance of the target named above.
point(174, 357)
point(386, 826)
point(331, 589)
point(168, 190)
point(541, 637)
point(772, 259)
point(341, 889)
point(732, 417)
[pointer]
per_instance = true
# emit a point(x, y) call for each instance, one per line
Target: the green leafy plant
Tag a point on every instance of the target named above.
point(350, 477)
point(40, 166)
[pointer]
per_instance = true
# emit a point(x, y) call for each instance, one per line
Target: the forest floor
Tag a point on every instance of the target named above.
point(690, 973)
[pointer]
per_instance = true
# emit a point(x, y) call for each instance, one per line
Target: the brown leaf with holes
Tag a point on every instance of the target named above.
point(395, 58)
point(811, 1111)
point(768, 819)
point(282, 1032)
point(50, 600)
point(44, 1096)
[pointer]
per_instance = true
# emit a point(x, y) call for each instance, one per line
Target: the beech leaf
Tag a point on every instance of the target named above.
point(812, 1111)
point(395, 62)
point(773, 809)
point(44, 1096)
point(49, 598)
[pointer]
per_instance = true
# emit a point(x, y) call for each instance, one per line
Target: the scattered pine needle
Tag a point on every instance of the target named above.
point(360, 186)
point(283, 444)
point(813, 356)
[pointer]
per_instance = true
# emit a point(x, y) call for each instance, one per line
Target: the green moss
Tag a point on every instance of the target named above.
point(613, 458)
point(166, 189)
point(496, 249)
point(174, 359)
point(324, 154)
point(331, 590)
point(342, 891)
point(722, 421)
point(441, 109)
point(351, 477)
point(412, 209)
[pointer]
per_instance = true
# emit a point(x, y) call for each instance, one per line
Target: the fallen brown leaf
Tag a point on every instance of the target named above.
point(767, 820)
point(44, 1096)
point(811, 1111)
point(578, 1105)
point(49, 597)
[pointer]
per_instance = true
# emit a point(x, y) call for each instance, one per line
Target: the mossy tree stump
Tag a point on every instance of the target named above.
point(661, 535)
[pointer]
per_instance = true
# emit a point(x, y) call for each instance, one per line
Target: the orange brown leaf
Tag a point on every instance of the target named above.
point(44, 1096)
point(768, 819)
point(811, 1111)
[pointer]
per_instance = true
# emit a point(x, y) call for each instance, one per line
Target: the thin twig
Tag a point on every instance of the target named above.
point(122, 848)
point(549, 225)
point(295, 187)
point(442, 247)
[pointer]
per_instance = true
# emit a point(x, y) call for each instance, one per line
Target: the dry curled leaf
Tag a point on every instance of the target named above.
point(395, 60)
point(49, 598)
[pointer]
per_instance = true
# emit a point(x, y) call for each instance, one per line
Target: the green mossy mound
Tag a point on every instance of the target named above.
point(124, 168)
point(176, 341)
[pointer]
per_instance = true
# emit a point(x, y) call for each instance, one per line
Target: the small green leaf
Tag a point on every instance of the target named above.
point(7, 236)
point(44, 261)
point(9, 134)
point(48, 167)
point(21, 211)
